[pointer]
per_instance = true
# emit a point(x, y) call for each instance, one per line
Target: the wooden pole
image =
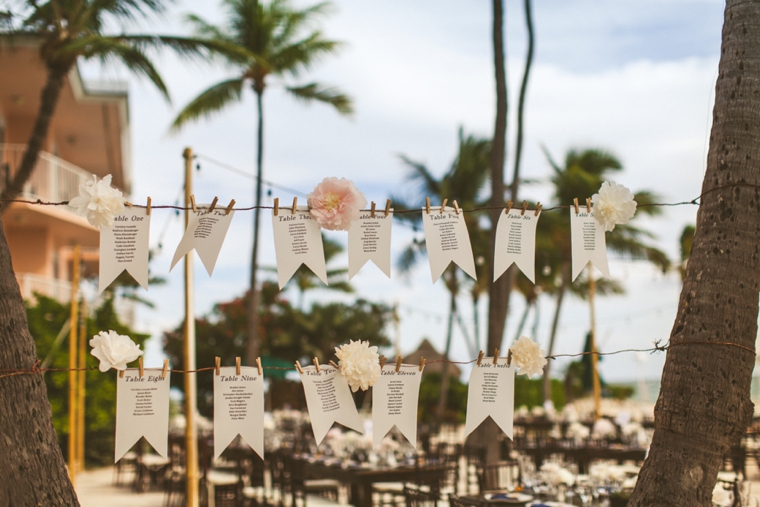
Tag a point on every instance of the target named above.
point(592, 334)
point(191, 440)
point(81, 383)
point(75, 260)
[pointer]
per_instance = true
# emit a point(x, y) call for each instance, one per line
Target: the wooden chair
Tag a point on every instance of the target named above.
point(498, 477)
point(416, 497)
point(469, 501)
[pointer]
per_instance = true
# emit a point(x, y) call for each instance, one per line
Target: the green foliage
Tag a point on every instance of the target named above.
point(430, 393)
point(46, 319)
point(288, 334)
point(530, 392)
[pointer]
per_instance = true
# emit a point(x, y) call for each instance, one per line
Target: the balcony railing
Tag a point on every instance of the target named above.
point(53, 179)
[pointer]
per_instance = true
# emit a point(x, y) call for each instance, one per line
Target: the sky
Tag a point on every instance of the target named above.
point(633, 78)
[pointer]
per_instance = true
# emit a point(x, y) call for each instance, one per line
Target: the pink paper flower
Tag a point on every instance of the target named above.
point(335, 203)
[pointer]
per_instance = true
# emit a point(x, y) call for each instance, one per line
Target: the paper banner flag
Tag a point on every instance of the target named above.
point(394, 402)
point(125, 246)
point(238, 408)
point(369, 239)
point(588, 243)
point(297, 240)
point(447, 241)
point(329, 401)
point(491, 393)
point(142, 410)
point(205, 233)
point(516, 243)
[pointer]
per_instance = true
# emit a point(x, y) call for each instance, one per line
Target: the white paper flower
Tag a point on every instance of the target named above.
point(359, 363)
point(114, 350)
point(613, 205)
point(98, 201)
point(528, 356)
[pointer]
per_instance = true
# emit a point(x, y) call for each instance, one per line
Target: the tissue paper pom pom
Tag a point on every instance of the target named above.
point(613, 205)
point(98, 201)
point(528, 356)
point(359, 363)
point(335, 203)
point(114, 350)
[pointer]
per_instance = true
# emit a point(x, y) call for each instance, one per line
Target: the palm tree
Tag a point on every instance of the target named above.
point(463, 182)
point(279, 42)
point(68, 30)
point(582, 175)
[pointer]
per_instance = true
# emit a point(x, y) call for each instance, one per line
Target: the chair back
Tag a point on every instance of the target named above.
point(416, 497)
point(498, 476)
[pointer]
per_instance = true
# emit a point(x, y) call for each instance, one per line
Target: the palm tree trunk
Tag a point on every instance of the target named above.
point(253, 300)
point(555, 322)
point(476, 321)
point(521, 100)
point(704, 405)
point(32, 465)
point(48, 102)
point(443, 400)
point(524, 317)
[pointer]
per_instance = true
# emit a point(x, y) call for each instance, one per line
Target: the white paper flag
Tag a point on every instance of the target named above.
point(588, 242)
point(142, 410)
point(205, 233)
point(125, 246)
point(516, 242)
point(369, 239)
point(394, 402)
point(329, 400)
point(447, 241)
point(297, 240)
point(238, 408)
point(491, 393)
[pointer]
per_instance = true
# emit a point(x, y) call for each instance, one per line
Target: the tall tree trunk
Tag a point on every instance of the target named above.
point(555, 322)
point(524, 317)
point(48, 101)
point(704, 404)
point(32, 467)
point(521, 100)
point(443, 400)
point(253, 300)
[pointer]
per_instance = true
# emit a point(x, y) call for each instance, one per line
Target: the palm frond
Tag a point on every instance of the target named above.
point(300, 55)
point(316, 92)
point(197, 47)
point(210, 101)
point(419, 173)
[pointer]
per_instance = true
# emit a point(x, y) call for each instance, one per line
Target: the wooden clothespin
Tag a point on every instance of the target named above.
point(121, 373)
point(509, 207)
point(509, 358)
point(382, 361)
point(525, 206)
point(332, 363)
point(372, 211)
point(422, 363)
point(213, 204)
point(588, 204)
point(237, 366)
point(258, 365)
point(575, 203)
point(127, 203)
point(276, 206)
point(192, 203)
point(140, 366)
point(316, 364)
point(147, 207)
point(456, 207)
point(443, 205)
point(427, 204)
point(387, 207)
point(495, 355)
point(298, 367)
point(538, 209)
point(295, 204)
point(166, 369)
point(217, 365)
point(229, 207)
point(398, 363)
point(480, 357)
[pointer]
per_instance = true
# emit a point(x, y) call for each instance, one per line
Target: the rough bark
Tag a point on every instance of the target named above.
point(31, 465)
point(48, 101)
point(253, 301)
point(704, 404)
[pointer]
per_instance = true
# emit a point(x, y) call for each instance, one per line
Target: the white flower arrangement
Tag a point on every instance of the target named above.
point(578, 432)
point(114, 350)
point(528, 356)
point(604, 428)
point(359, 363)
point(613, 205)
point(98, 201)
